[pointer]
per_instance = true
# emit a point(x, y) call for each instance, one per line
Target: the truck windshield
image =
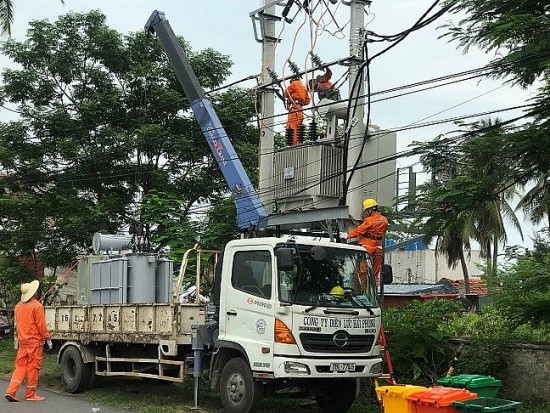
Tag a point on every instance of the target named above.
point(336, 277)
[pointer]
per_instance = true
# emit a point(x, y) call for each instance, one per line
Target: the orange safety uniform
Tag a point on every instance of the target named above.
point(370, 233)
point(31, 334)
point(323, 83)
point(297, 96)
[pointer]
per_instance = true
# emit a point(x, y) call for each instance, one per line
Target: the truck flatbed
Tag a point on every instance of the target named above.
point(125, 323)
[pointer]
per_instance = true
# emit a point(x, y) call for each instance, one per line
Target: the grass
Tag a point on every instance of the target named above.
point(141, 396)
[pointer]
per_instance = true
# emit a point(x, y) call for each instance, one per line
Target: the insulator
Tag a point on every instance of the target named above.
point(272, 74)
point(289, 136)
point(294, 67)
point(301, 133)
point(312, 132)
point(316, 60)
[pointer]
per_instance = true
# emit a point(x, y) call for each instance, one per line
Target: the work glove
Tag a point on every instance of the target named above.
point(48, 345)
point(344, 238)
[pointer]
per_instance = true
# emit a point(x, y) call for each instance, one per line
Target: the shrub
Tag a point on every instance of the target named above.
point(417, 339)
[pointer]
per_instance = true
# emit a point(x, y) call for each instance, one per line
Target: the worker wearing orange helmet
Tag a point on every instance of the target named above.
point(297, 97)
point(371, 232)
point(31, 335)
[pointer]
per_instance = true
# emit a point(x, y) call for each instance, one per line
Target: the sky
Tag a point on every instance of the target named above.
point(226, 26)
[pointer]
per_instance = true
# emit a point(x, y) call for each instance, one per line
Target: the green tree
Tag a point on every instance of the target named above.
point(524, 293)
point(518, 33)
point(471, 203)
point(536, 201)
point(416, 338)
point(7, 14)
point(480, 160)
point(105, 139)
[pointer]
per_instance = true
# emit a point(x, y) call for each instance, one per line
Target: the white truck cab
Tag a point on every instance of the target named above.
point(299, 311)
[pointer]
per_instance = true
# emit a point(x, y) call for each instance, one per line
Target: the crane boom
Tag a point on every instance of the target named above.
point(251, 213)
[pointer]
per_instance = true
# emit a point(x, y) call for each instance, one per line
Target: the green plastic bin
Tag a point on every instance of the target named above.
point(483, 386)
point(486, 405)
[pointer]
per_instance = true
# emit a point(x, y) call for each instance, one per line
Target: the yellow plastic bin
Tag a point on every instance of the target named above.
point(394, 398)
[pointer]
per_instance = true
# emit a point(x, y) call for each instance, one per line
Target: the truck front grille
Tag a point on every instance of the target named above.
point(339, 342)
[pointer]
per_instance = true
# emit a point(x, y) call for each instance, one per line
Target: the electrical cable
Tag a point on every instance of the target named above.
point(383, 133)
point(480, 72)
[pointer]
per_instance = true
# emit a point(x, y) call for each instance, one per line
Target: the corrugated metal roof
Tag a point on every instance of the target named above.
point(418, 289)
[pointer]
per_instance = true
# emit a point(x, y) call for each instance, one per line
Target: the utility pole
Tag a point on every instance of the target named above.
point(355, 188)
point(267, 19)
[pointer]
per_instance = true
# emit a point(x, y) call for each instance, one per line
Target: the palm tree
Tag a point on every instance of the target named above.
point(489, 226)
point(7, 9)
point(6, 16)
point(536, 202)
point(482, 162)
point(452, 242)
point(444, 220)
point(472, 204)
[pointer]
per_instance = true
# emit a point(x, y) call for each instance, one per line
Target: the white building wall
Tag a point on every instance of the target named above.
point(427, 267)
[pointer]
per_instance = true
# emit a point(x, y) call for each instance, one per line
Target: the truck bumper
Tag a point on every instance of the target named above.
point(292, 367)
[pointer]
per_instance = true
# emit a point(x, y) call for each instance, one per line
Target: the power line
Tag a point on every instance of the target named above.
point(376, 135)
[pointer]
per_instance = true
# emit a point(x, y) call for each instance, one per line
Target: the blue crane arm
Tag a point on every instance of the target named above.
point(251, 213)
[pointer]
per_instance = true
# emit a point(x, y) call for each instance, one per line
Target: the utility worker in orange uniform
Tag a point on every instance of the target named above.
point(324, 87)
point(31, 335)
point(371, 232)
point(296, 96)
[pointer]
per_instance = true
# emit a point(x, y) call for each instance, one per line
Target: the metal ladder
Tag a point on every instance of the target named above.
point(388, 377)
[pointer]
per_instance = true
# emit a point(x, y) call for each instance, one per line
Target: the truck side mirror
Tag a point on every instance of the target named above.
point(387, 274)
point(285, 259)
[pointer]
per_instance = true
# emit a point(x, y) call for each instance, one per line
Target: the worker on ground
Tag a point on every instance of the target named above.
point(297, 97)
point(31, 335)
point(371, 232)
point(324, 87)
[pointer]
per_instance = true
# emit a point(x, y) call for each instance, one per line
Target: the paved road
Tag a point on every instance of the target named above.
point(54, 403)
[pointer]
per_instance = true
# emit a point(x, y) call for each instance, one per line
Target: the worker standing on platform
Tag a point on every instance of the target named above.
point(297, 97)
point(371, 232)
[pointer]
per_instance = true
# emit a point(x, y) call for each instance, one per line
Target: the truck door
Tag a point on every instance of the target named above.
point(246, 305)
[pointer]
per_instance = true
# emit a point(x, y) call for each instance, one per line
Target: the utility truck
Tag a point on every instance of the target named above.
point(285, 312)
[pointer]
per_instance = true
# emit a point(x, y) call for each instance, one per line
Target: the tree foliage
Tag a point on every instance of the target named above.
point(7, 15)
point(536, 201)
point(416, 337)
point(518, 33)
point(488, 160)
point(105, 138)
point(467, 198)
point(524, 287)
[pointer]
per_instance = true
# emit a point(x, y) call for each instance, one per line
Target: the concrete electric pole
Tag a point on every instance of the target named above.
point(267, 19)
point(355, 188)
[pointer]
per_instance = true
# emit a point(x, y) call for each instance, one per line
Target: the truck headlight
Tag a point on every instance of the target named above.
point(376, 368)
point(296, 368)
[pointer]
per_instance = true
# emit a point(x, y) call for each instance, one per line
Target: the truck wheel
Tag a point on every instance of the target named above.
point(238, 390)
point(75, 374)
point(339, 396)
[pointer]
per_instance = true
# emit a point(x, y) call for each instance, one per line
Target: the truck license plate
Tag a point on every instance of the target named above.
point(342, 366)
point(7, 331)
